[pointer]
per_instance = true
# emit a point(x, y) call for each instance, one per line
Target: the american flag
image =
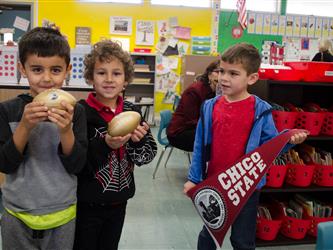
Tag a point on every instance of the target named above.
point(241, 8)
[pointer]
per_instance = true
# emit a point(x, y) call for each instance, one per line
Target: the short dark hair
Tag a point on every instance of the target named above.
point(210, 68)
point(245, 54)
point(106, 51)
point(43, 42)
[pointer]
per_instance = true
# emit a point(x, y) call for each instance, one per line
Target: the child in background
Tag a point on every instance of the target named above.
point(235, 124)
point(107, 181)
point(40, 151)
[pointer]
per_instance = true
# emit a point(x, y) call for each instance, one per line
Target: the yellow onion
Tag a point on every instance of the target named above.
point(53, 98)
point(124, 123)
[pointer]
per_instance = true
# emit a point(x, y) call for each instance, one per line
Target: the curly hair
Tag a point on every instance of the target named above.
point(106, 51)
point(43, 42)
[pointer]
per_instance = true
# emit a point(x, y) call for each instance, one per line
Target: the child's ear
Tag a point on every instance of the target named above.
point(69, 68)
point(22, 69)
point(253, 78)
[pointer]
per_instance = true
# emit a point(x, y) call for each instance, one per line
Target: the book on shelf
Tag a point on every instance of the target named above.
point(141, 68)
point(141, 80)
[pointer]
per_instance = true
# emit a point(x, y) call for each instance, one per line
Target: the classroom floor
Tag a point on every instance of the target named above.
point(161, 217)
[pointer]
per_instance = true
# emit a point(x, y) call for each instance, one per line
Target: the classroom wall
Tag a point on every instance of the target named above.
point(228, 20)
point(71, 13)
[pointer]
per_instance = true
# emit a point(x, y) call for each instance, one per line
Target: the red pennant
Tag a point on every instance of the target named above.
point(220, 198)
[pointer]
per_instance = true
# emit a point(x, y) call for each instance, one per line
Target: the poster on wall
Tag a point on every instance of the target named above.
point(163, 27)
point(144, 33)
point(251, 22)
point(318, 29)
point(82, 35)
point(312, 26)
point(297, 26)
point(289, 25)
point(121, 25)
point(275, 24)
point(259, 23)
point(325, 25)
point(304, 26)
point(282, 25)
point(330, 34)
point(267, 24)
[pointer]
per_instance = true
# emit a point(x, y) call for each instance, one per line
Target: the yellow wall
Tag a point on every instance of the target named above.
point(67, 14)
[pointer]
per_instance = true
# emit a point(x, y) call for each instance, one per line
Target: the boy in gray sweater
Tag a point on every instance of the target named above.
point(41, 150)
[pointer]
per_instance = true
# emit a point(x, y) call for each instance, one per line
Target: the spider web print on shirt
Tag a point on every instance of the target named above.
point(144, 154)
point(117, 177)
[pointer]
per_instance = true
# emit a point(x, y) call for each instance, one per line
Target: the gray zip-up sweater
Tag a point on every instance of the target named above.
point(41, 180)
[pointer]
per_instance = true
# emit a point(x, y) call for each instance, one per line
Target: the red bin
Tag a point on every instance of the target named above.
point(275, 175)
point(294, 228)
point(323, 176)
point(299, 175)
point(314, 223)
point(310, 121)
point(284, 120)
point(267, 229)
point(327, 127)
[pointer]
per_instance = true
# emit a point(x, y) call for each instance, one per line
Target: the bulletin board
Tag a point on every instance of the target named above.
point(13, 10)
point(300, 49)
point(228, 20)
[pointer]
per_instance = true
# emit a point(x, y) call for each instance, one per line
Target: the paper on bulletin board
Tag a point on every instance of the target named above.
point(318, 29)
point(120, 25)
point(292, 48)
point(289, 25)
point(251, 22)
point(282, 25)
point(304, 26)
point(274, 24)
point(165, 82)
point(169, 96)
point(21, 23)
point(182, 32)
point(325, 25)
point(163, 27)
point(312, 26)
point(173, 62)
point(144, 32)
point(259, 23)
point(173, 42)
point(297, 26)
point(330, 33)
point(267, 24)
point(182, 47)
point(162, 65)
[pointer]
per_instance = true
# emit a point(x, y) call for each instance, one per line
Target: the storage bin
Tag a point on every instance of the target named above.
point(294, 228)
point(275, 175)
point(327, 127)
point(314, 71)
point(284, 120)
point(323, 176)
point(299, 175)
point(313, 228)
point(267, 229)
point(280, 74)
point(310, 121)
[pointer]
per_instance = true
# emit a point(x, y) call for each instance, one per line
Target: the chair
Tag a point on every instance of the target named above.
point(166, 116)
point(176, 101)
point(325, 236)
